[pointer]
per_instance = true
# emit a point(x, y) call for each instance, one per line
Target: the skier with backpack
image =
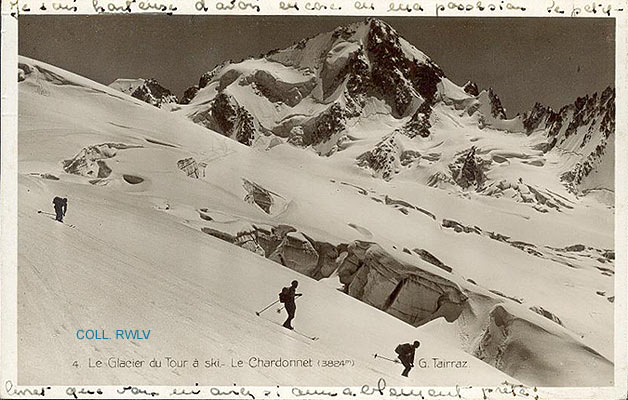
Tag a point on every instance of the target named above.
point(405, 354)
point(288, 296)
point(61, 207)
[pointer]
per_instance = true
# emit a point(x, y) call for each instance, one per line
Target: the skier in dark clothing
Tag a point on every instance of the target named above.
point(61, 207)
point(406, 355)
point(288, 296)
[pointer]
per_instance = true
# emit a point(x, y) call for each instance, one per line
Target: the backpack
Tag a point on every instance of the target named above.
point(284, 295)
point(400, 349)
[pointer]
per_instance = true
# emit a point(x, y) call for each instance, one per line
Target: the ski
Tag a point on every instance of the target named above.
point(52, 216)
point(314, 338)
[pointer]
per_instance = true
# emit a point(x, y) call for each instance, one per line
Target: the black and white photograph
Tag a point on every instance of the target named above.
point(323, 201)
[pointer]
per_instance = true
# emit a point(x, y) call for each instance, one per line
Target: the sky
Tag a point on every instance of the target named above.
point(525, 60)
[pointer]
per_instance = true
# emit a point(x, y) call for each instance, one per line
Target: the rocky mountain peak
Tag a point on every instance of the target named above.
point(148, 90)
point(399, 69)
point(471, 88)
point(189, 94)
point(497, 110)
point(226, 116)
point(209, 75)
point(537, 117)
point(339, 71)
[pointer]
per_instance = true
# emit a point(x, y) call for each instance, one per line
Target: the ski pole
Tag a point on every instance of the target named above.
point(385, 358)
point(282, 307)
point(267, 307)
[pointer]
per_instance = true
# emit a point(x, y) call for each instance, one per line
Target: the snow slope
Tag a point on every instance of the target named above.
point(200, 305)
point(151, 194)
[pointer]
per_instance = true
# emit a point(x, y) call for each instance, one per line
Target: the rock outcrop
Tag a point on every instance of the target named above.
point(497, 110)
point(547, 314)
point(430, 258)
point(189, 94)
point(228, 118)
point(468, 170)
point(419, 124)
point(383, 159)
point(326, 125)
point(471, 88)
point(146, 90)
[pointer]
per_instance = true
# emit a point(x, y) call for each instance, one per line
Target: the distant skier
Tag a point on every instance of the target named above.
point(61, 207)
point(405, 354)
point(288, 296)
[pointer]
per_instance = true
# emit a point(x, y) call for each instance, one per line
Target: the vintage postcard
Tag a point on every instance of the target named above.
point(263, 200)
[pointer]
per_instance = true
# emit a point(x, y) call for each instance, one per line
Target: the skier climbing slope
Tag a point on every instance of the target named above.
point(405, 354)
point(288, 297)
point(61, 207)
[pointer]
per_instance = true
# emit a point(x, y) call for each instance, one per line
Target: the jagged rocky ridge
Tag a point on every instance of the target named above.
point(580, 136)
point(584, 130)
point(146, 90)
